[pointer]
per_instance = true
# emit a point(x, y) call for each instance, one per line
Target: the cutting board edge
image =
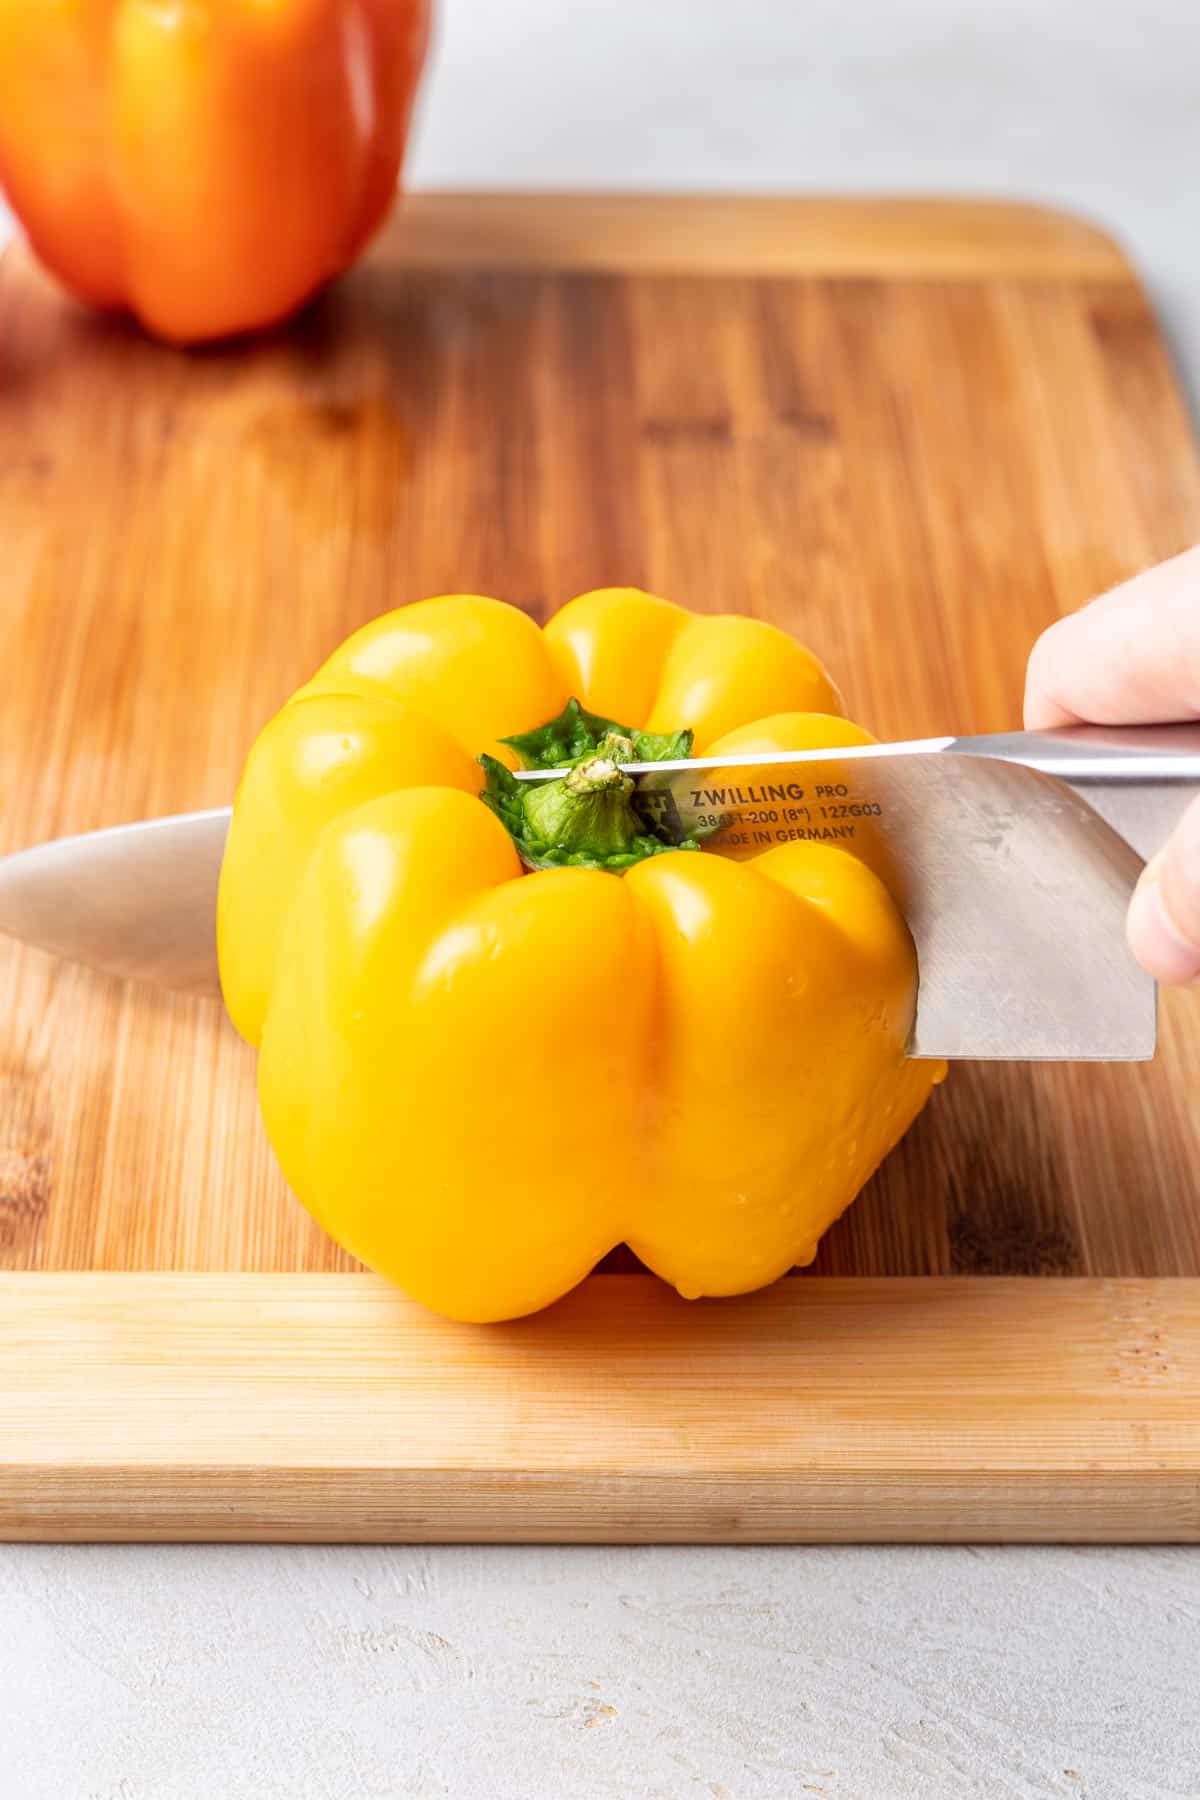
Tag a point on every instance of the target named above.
point(220, 1507)
point(884, 1410)
point(945, 237)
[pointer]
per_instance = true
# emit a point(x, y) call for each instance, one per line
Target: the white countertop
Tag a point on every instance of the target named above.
point(855, 1674)
point(894, 1674)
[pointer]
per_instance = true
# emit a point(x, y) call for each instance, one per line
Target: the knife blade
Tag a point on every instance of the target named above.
point(1012, 857)
point(137, 901)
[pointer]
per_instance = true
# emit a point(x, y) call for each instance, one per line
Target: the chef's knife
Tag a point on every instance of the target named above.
point(1012, 857)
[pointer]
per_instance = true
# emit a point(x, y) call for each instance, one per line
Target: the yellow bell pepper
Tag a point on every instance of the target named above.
point(480, 1080)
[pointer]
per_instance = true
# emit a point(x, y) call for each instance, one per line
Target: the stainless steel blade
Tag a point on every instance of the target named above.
point(1014, 890)
point(137, 901)
point(1014, 887)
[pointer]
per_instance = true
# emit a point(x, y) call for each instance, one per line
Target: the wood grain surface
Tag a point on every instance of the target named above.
point(330, 1407)
point(912, 474)
point(911, 433)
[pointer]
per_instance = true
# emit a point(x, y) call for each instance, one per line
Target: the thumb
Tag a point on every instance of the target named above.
point(1164, 915)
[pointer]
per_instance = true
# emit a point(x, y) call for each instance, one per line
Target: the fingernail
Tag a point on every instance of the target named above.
point(1154, 937)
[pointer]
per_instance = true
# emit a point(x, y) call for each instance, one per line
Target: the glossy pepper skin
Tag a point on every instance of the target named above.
point(480, 1080)
point(207, 165)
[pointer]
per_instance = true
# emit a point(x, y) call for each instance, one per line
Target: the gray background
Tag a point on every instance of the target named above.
point(853, 1674)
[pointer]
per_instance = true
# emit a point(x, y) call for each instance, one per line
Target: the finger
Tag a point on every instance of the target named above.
point(1164, 915)
point(1131, 657)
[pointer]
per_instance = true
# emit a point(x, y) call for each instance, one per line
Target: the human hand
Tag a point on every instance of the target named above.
point(1132, 657)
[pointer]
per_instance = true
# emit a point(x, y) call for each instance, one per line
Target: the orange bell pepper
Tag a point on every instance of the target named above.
point(207, 165)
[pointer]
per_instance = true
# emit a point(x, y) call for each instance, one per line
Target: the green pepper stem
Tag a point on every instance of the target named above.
point(589, 811)
point(585, 818)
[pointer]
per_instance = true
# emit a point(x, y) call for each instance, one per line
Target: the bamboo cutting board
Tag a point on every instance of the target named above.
point(912, 433)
